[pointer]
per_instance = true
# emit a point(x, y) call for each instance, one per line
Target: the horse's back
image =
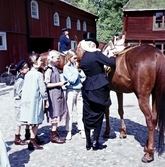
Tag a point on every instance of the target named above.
point(136, 70)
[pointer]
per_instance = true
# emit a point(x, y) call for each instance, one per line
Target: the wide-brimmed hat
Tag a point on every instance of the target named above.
point(88, 36)
point(20, 65)
point(64, 29)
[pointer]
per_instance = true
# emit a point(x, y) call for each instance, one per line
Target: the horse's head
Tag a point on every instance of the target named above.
point(44, 59)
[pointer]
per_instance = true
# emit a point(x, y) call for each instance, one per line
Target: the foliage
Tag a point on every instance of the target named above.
point(110, 16)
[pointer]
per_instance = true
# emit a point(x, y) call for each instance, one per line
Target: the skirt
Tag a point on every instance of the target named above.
point(93, 114)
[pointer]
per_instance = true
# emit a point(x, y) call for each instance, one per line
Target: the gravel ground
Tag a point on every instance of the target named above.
point(119, 152)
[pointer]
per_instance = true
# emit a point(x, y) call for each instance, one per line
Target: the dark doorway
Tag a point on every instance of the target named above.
point(40, 45)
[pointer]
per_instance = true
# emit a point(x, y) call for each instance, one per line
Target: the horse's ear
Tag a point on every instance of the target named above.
point(77, 40)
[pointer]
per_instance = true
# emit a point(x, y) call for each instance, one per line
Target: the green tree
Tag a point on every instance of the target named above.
point(110, 16)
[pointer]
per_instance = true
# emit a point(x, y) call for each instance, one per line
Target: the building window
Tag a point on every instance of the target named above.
point(58, 46)
point(68, 23)
point(3, 45)
point(78, 25)
point(73, 45)
point(84, 26)
point(161, 46)
point(56, 19)
point(34, 10)
point(133, 43)
point(159, 20)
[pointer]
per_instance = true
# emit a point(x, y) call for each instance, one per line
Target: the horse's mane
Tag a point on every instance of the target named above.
point(125, 50)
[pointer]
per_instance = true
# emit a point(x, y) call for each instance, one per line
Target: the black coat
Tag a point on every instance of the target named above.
point(95, 87)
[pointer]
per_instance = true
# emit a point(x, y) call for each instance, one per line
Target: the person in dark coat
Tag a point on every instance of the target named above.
point(95, 91)
point(64, 41)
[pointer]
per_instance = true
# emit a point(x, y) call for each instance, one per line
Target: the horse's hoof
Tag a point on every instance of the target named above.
point(146, 160)
point(122, 136)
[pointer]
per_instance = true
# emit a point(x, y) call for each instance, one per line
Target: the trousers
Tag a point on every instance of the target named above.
point(74, 100)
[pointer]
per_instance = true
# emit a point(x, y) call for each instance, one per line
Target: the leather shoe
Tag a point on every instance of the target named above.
point(32, 145)
point(88, 147)
point(98, 146)
point(55, 138)
point(38, 141)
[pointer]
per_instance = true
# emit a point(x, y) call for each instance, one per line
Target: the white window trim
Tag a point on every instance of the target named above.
point(162, 46)
point(154, 22)
point(84, 26)
point(73, 44)
point(133, 43)
point(68, 22)
point(56, 16)
point(4, 45)
point(36, 10)
point(59, 46)
point(78, 25)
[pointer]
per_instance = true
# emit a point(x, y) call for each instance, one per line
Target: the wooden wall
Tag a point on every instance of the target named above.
point(139, 26)
point(42, 31)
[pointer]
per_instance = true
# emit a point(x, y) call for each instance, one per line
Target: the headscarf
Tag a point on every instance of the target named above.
point(89, 46)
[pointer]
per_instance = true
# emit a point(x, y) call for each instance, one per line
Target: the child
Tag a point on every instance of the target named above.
point(32, 103)
point(22, 68)
point(73, 76)
point(58, 106)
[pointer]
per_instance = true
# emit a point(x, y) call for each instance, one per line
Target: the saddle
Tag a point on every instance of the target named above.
point(128, 48)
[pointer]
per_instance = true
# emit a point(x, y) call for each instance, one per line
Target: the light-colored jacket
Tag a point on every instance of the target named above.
point(33, 95)
point(73, 76)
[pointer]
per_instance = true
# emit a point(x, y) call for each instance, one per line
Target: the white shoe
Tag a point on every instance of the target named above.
point(83, 134)
point(69, 136)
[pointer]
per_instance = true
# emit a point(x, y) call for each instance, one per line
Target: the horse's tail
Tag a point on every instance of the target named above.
point(160, 99)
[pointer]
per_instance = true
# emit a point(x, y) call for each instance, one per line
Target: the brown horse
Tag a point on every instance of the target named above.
point(140, 70)
point(45, 63)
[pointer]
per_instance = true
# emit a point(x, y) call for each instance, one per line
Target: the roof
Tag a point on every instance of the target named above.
point(69, 4)
point(144, 5)
point(77, 7)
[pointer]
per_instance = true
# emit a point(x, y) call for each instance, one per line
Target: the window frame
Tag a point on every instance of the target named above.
point(73, 44)
point(162, 22)
point(84, 26)
point(4, 44)
point(56, 18)
point(78, 25)
point(68, 22)
point(162, 45)
point(36, 10)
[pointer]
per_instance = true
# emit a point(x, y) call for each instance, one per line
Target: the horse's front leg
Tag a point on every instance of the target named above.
point(107, 129)
point(123, 133)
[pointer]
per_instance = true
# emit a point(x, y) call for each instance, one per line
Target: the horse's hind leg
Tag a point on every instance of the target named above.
point(123, 133)
point(151, 123)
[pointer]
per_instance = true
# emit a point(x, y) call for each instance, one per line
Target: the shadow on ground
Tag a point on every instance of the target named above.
point(140, 132)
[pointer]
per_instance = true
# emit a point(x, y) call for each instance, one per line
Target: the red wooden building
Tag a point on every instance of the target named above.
point(35, 25)
point(144, 22)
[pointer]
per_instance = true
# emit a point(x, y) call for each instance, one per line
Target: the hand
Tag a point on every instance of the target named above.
point(62, 83)
point(47, 104)
point(77, 65)
point(67, 36)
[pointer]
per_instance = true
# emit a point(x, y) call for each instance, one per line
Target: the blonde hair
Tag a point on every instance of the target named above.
point(53, 53)
point(70, 54)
